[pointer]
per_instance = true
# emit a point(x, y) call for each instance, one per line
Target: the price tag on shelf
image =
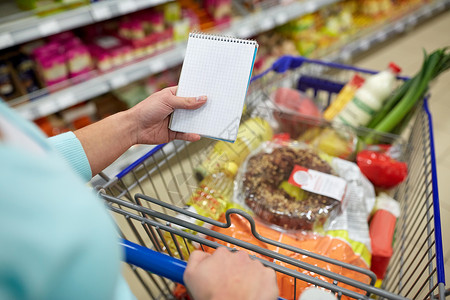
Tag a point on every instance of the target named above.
point(118, 81)
point(6, 40)
point(127, 6)
point(267, 23)
point(100, 12)
point(364, 45)
point(311, 6)
point(441, 6)
point(66, 100)
point(245, 31)
point(27, 114)
point(428, 12)
point(180, 53)
point(399, 27)
point(412, 20)
point(346, 55)
point(34, 113)
point(49, 27)
point(281, 18)
point(156, 66)
point(381, 36)
point(157, 2)
point(47, 106)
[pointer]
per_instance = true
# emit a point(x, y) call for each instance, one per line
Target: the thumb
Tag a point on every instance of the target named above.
point(187, 102)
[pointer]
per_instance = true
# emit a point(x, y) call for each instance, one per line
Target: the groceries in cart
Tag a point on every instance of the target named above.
point(270, 185)
point(405, 98)
point(382, 166)
point(213, 195)
point(300, 218)
point(251, 134)
point(369, 98)
point(334, 139)
point(345, 95)
point(354, 143)
point(340, 237)
point(298, 105)
point(334, 248)
point(382, 229)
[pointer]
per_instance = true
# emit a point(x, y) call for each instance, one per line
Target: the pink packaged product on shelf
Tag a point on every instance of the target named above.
point(78, 60)
point(128, 54)
point(136, 30)
point(156, 20)
point(131, 30)
point(62, 37)
point(218, 9)
point(124, 30)
point(101, 58)
point(145, 46)
point(112, 51)
point(194, 22)
point(50, 49)
point(222, 22)
point(165, 39)
point(139, 49)
point(53, 68)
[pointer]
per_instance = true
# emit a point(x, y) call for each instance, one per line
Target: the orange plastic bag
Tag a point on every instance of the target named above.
point(323, 245)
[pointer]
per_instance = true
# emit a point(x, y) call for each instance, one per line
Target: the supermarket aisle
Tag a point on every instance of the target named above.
point(407, 52)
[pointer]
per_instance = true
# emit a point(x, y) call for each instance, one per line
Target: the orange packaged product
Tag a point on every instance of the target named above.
point(323, 245)
point(240, 230)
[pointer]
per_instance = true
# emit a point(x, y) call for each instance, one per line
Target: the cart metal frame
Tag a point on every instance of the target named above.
point(148, 199)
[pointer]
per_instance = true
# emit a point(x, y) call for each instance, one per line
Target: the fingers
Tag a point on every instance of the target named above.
point(184, 102)
point(195, 258)
point(190, 137)
point(187, 102)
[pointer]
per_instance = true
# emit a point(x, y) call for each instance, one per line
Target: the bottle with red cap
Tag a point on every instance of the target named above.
point(369, 98)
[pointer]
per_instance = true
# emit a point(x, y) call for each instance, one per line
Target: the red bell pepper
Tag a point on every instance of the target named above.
point(380, 168)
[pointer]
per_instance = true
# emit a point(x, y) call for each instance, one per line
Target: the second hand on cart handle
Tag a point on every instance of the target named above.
point(155, 262)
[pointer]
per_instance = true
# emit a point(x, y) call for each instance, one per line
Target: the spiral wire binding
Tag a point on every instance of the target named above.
point(223, 38)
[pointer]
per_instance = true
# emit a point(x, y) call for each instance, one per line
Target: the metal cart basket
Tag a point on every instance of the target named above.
point(148, 200)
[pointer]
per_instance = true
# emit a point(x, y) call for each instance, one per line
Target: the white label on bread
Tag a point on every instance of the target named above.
point(318, 182)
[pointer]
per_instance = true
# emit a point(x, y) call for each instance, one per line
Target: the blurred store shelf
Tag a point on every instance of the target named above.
point(17, 27)
point(387, 30)
point(243, 27)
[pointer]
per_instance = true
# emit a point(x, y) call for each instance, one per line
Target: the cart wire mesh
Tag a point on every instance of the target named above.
point(148, 200)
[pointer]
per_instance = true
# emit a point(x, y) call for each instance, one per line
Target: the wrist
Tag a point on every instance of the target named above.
point(126, 125)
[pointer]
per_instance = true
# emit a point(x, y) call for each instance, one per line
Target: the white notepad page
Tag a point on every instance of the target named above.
point(220, 68)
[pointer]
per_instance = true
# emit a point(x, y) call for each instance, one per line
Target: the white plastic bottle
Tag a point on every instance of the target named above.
point(369, 98)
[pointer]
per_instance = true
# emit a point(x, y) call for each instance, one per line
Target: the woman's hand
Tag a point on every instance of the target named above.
point(227, 275)
point(145, 123)
point(152, 116)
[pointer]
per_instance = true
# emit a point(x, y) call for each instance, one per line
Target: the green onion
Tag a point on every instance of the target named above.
point(407, 95)
point(390, 103)
point(396, 96)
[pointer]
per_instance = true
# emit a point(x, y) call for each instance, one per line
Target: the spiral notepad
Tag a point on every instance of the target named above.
point(220, 68)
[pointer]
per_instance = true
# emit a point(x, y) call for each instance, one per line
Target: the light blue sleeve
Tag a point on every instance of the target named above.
point(57, 239)
point(68, 145)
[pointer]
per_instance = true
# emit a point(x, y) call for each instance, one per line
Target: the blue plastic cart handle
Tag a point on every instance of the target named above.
point(155, 262)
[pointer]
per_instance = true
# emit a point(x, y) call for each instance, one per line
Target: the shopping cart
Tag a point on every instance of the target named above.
point(148, 200)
